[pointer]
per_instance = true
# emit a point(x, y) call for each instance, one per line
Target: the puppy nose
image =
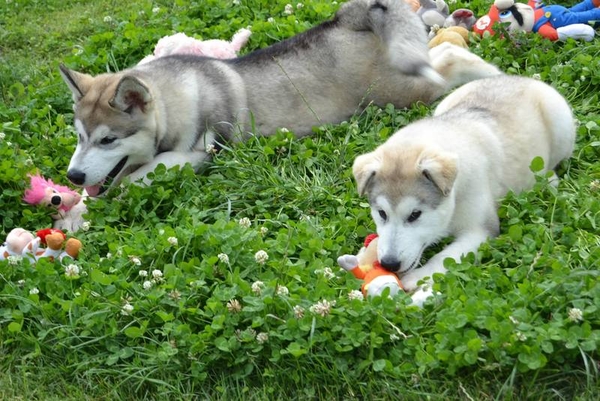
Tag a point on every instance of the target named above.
point(390, 264)
point(56, 199)
point(76, 177)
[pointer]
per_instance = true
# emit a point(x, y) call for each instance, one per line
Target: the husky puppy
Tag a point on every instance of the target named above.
point(443, 175)
point(173, 109)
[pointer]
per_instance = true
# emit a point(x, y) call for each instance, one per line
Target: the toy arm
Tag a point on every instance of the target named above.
point(350, 263)
point(576, 31)
point(548, 32)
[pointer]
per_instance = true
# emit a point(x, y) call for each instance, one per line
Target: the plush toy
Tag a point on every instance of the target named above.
point(20, 242)
point(433, 12)
point(456, 35)
point(180, 43)
point(46, 193)
point(553, 22)
point(366, 267)
point(462, 17)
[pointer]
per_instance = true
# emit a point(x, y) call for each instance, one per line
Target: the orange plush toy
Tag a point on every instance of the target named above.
point(366, 267)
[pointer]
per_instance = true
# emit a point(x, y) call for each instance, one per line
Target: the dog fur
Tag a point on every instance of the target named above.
point(443, 175)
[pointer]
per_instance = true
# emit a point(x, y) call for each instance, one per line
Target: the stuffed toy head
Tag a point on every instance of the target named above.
point(365, 266)
point(16, 240)
point(517, 16)
point(47, 193)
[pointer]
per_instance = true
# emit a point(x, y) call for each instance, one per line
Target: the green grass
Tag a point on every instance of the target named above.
point(500, 330)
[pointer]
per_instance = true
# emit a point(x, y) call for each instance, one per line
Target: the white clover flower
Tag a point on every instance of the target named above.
point(2, 136)
point(284, 130)
point(72, 270)
point(109, 255)
point(262, 338)
point(257, 287)
point(289, 9)
point(322, 308)
point(157, 274)
point(108, 19)
point(595, 185)
point(261, 257)
point(355, 294)
point(245, 222)
point(299, 6)
point(536, 76)
point(14, 260)
point(155, 10)
point(172, 241)
point(143, 273)
point(270, 20)
point(328, 273)
point(575, 315)
point(135, 260)
point(223, 258)
point(210, 148)
point(126, 309)
point(264, 231)
point(298, 311)
point(521, 336)
point(147, 285)
point(85, 226)
point(175, 295)
point(21, 283)
point(234, 306)
point(29, 161)
point(282, 291)
point(34, 291)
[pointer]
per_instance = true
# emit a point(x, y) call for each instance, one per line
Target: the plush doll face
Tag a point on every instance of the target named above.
point(17, 239)
point(518, 17)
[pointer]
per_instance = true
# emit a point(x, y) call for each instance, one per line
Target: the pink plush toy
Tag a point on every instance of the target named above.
point(66, 201)
point(180, 43)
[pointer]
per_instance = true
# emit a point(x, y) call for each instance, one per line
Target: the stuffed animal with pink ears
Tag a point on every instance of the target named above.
point(46, 193)
point(180, 43)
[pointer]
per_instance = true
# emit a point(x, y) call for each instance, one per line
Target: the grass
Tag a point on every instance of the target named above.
point(501, 330)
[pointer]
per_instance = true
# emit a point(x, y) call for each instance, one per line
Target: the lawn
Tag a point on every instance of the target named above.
point(175, 298)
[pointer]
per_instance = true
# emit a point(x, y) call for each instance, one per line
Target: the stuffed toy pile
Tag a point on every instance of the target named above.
point(554, 22)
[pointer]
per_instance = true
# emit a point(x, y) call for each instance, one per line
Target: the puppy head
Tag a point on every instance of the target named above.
point(115, 126)
point(410, 190)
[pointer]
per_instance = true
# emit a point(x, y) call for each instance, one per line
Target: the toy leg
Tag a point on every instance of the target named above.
point(585, 5)
point(569, 18)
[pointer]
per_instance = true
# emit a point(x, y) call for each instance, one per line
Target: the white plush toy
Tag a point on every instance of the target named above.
point(180, 43)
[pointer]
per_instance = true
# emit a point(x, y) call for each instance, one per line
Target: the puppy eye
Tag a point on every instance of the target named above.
point(382, 214)
point(414, 216)
point(107, 140)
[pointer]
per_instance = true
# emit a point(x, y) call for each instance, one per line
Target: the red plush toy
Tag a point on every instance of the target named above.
point(365, 266)
point(553, 22)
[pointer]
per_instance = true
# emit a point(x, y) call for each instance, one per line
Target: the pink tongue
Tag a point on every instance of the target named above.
point(94, 190)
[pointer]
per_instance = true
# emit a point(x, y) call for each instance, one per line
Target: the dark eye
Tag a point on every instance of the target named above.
point(382, 214)
point(107, 140)
point(414, 216)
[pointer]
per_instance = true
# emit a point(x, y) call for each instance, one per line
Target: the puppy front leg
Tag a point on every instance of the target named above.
point(169, 159)
point(462, 245)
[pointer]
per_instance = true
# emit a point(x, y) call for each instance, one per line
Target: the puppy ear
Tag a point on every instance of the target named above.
point(364, 169)
point(131, 94)
point(78, 83)
point(440, 168)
